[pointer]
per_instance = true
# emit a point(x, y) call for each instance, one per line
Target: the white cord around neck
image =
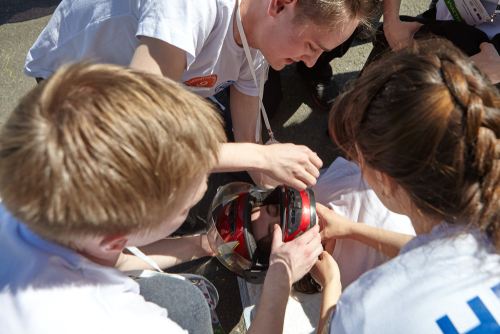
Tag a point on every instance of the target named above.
point(262, 74)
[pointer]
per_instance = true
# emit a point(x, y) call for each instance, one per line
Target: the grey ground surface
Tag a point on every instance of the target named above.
point(298, 121)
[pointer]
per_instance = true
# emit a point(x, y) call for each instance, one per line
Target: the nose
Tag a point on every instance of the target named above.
point(312, 58)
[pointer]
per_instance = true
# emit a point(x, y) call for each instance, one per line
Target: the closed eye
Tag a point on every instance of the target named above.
point(272, 210)
point(312, 48)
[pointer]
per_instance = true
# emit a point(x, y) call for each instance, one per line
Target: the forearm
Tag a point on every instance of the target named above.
point(386, 242)
point(234, 157)
point(245, 113)
point(391, 11)
point(270, 315)
point(167, 253)
point(331, 295)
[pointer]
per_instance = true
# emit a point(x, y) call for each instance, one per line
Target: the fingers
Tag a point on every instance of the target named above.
point(305, 179)
point(489, 48)
point(311, 235)
point(416, 26)
point(315, 160)
point(322, 210)
point(277, 238)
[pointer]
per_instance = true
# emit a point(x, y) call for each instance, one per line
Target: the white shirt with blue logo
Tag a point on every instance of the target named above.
point(444, 282)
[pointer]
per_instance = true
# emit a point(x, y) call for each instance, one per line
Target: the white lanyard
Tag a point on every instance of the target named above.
point(261, 88)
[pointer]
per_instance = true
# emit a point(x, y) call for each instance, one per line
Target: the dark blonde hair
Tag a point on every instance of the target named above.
point(101, 149)
point(429, 119)
point(328, 13)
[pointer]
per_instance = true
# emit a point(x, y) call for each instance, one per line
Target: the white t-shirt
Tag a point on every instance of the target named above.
point(343, 189)
point(108, 31)
point(447, 281)
point(47, 288)
point(490, 28)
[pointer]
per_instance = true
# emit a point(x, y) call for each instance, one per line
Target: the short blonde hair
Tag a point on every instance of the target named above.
point(328, 13)
point(102, 149)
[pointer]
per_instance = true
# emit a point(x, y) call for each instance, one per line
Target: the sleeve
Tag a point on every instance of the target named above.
point(334, 324)
point(245, 82)
point(185, 24)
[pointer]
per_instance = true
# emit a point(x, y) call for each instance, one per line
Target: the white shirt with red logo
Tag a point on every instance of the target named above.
point(108, 31)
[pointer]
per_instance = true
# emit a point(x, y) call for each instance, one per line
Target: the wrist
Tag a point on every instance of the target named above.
point(351, 228)
point(333, 288)
point(390, 22)
point(260, 163)
point(280, 276)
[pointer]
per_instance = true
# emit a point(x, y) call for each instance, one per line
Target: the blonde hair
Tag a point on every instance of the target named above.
point(102, 149)
point(328, 13)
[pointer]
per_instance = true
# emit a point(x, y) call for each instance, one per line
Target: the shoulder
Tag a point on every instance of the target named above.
point(188, 11)
point(434, 277)
point(59, 308)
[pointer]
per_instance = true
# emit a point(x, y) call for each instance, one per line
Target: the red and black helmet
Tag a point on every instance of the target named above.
point(230, 225)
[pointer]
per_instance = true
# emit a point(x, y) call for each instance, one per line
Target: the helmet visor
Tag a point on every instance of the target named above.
point(223, 251)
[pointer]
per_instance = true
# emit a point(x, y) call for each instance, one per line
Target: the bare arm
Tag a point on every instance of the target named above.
point(290, 164)
point(326, 272)
point(157, 57)
point(167, 253)
point(287, 264)
point(244, 112)
point(399, 34)
point(338, 227)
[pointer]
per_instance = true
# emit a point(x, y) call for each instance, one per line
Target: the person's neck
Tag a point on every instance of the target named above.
point(422, 224)
point(247, 18)
point(107, 260)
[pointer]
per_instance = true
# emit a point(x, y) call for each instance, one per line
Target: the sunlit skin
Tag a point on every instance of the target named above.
point(263, 220)
point(305, 42)
point(273, 29)
point(194, 195)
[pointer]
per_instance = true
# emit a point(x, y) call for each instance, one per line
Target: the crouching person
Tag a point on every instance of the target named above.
point(98, 158)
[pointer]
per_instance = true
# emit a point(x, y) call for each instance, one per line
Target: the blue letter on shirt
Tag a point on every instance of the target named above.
point(488, 324)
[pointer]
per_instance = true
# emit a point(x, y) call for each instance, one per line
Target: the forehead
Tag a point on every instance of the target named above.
point(327, 38)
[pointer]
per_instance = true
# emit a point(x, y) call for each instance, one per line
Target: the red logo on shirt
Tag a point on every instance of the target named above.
point(208, 81)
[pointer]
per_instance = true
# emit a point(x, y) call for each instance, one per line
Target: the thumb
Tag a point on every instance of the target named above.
point(277, 238)
point(485, 45)
point(320, 208)
point(416, 26)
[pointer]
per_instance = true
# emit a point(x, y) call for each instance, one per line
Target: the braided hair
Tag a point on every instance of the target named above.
point(429, 119)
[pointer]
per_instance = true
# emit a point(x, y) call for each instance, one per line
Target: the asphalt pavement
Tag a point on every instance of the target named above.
point(298, 120)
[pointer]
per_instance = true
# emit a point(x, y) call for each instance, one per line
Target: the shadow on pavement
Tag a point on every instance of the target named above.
point(17, 11)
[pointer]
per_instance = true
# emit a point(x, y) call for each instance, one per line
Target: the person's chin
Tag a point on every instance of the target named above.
point(278, 66)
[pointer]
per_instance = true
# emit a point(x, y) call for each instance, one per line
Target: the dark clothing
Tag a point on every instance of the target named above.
point(463, 36)
point(184, 302)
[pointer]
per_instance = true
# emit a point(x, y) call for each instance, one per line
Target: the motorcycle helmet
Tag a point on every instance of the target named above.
point(230, 229)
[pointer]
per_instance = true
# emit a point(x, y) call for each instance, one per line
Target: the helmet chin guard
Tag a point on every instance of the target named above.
point(230, 231)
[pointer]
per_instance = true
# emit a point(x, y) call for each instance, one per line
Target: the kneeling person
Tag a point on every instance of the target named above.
point(95, 159)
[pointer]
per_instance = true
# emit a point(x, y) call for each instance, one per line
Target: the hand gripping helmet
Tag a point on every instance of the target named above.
point(229, 224)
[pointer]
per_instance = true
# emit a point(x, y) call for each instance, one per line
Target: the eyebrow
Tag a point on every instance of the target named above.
point(323, 48)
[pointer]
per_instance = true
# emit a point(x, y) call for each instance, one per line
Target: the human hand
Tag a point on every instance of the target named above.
point(488, 61)
point(326, 270)
point(290, 164)
point(297, 256)
point(333, 225)
point(399, 34)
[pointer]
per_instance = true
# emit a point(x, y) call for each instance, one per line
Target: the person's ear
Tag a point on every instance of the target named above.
point(114, 243)
point(276, 7)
